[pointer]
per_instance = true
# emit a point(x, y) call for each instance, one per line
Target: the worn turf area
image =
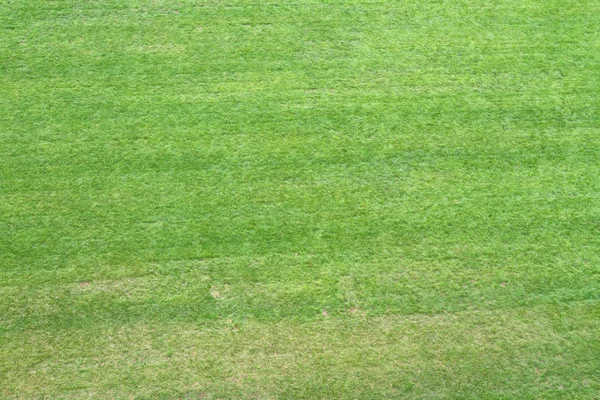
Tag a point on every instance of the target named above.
point(310, 199)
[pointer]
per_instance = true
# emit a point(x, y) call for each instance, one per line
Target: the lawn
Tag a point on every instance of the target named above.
point(227, 199)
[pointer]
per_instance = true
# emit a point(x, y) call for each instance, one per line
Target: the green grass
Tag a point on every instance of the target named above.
point(311, 199)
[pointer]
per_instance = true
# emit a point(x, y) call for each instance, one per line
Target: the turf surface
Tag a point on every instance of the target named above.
point(311, 199)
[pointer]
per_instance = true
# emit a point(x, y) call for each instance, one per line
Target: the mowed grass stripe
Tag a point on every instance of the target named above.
point(296, 288)
point(467, 355)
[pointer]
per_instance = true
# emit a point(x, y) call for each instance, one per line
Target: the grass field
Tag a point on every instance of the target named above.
point(207, 199)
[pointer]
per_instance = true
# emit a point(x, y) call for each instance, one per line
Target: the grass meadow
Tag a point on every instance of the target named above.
point(317, 199)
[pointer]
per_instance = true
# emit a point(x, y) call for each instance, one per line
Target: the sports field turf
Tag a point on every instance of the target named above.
point(207, 199)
